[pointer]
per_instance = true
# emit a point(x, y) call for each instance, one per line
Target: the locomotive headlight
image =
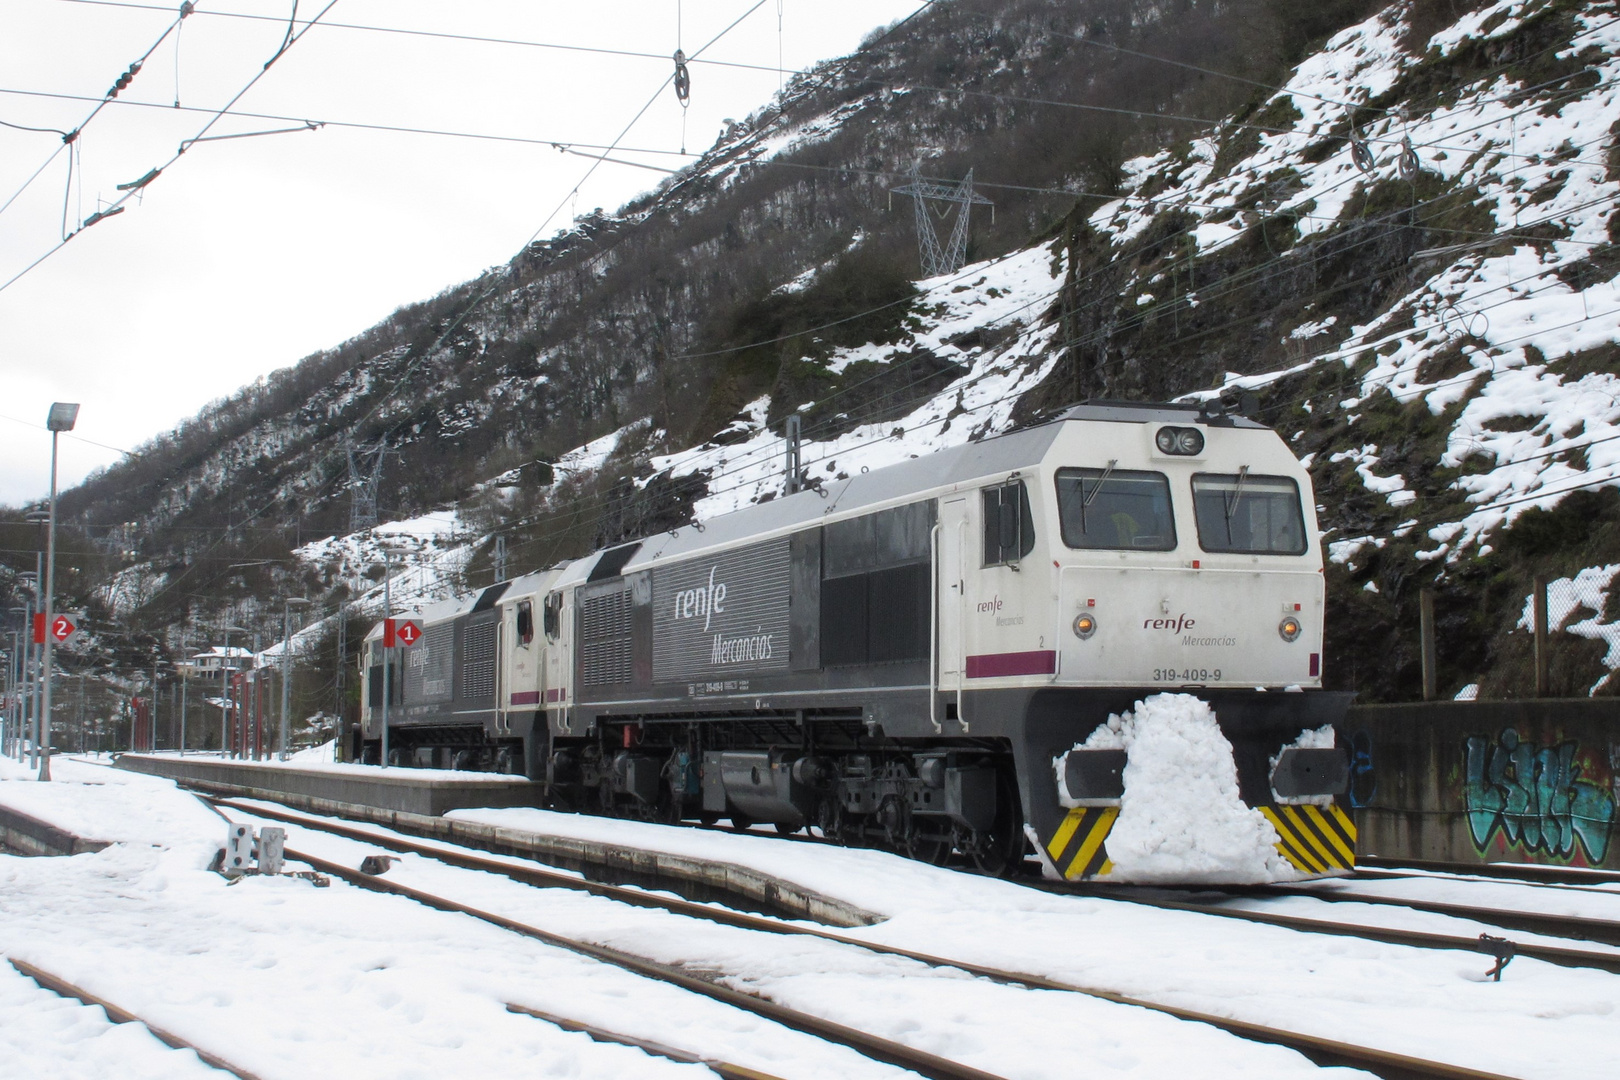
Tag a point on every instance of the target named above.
point(1182, 442)
point(1085, 624)
point(1289, 628)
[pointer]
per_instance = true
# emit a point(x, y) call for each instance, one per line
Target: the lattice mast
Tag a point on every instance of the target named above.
point(365, 473)
point(938, 259)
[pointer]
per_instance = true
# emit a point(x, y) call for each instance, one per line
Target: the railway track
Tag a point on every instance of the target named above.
point(1422, 939)
point(1578, 927)
point(1533, 873)
point(724, 1069)
point(1387, 1064)
point(62, 988)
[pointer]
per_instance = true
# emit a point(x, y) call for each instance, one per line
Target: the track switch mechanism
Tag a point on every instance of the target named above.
point(1500, 948)
point(248, 854)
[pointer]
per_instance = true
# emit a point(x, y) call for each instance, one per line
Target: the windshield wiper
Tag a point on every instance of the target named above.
point(1232, 503)
point(1085, 500)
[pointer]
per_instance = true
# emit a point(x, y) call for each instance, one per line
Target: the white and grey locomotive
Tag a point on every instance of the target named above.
point(901, 658)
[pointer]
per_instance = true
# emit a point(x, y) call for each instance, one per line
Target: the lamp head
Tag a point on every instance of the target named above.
point(63, 415)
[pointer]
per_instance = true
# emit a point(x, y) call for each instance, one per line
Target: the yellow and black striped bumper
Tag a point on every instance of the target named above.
point(1315, 839)
point(1076, 848)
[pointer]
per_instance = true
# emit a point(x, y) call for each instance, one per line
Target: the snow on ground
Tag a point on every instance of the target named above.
point(288, 980)
point(373, 985)
point(1403, 918)
point(1596, 901)
point(99, 803)
point(1180, 817)
point(46, 1037)
point(1002, 1029)
point(1541, 1021)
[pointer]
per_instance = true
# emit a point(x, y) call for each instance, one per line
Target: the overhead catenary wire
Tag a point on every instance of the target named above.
point(69, 137)
point(598, 50)
point(398, 384)
point(117, 206)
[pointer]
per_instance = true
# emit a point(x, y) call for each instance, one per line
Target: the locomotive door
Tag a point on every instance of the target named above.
point(949, 584)
point(557, 624)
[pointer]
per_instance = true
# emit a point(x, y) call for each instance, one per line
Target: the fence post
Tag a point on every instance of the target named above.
point(1538, 599)
point(1426, 638)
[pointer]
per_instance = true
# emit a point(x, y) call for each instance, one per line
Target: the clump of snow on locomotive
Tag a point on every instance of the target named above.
point(1181, 818)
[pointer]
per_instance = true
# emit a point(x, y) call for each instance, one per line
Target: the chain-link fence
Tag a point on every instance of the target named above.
point(1565, 643)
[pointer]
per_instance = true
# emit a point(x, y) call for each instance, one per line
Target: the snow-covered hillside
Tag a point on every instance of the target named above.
point(1403, 248)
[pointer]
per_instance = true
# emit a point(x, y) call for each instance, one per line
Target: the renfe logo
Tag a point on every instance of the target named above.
point(1175, 625)
point(707, 600)
point(991, 605)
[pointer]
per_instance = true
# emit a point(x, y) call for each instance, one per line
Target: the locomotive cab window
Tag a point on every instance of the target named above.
point(525, 622)
point(1115, 509)
point(1247, 514)
point(552, 616)
point(1009, 528)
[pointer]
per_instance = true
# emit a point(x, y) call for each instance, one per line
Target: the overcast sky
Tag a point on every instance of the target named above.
point(248, 254)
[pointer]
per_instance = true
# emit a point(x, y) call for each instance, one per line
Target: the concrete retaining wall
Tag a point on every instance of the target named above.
point(24, 835)
point(1495, 781)
point(395, 790)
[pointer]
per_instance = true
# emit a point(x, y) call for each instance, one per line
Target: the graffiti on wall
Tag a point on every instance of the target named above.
point(1363, 780)
point(1535, 799)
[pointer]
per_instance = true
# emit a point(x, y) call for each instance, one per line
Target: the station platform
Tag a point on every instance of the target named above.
point(430, 793)
point(25, 834)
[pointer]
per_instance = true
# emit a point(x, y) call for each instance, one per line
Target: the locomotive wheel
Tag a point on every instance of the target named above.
point(741, 822)
point(999, 850)
point(396, 756)
point(932, 848)
point(708, 817)
point(834, 826)
point(784, 829)
point(895, 817)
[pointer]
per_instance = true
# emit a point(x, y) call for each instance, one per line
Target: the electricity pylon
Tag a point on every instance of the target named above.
point(947, 258)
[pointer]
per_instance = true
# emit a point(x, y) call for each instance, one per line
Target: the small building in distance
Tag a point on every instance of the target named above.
point(212, 663)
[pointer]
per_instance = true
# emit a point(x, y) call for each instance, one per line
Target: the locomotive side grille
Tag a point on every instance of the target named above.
point(478, 662)
point(605, 655)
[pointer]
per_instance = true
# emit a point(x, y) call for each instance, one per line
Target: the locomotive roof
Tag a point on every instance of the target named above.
point(892, 484)
point(889, 485)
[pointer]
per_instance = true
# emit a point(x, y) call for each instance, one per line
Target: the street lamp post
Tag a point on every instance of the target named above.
point(30, 718)
point(62, 417)
point(286, 651)
point(185, 680)
point(225, 688)
point(24, 646)
point(5, 714)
